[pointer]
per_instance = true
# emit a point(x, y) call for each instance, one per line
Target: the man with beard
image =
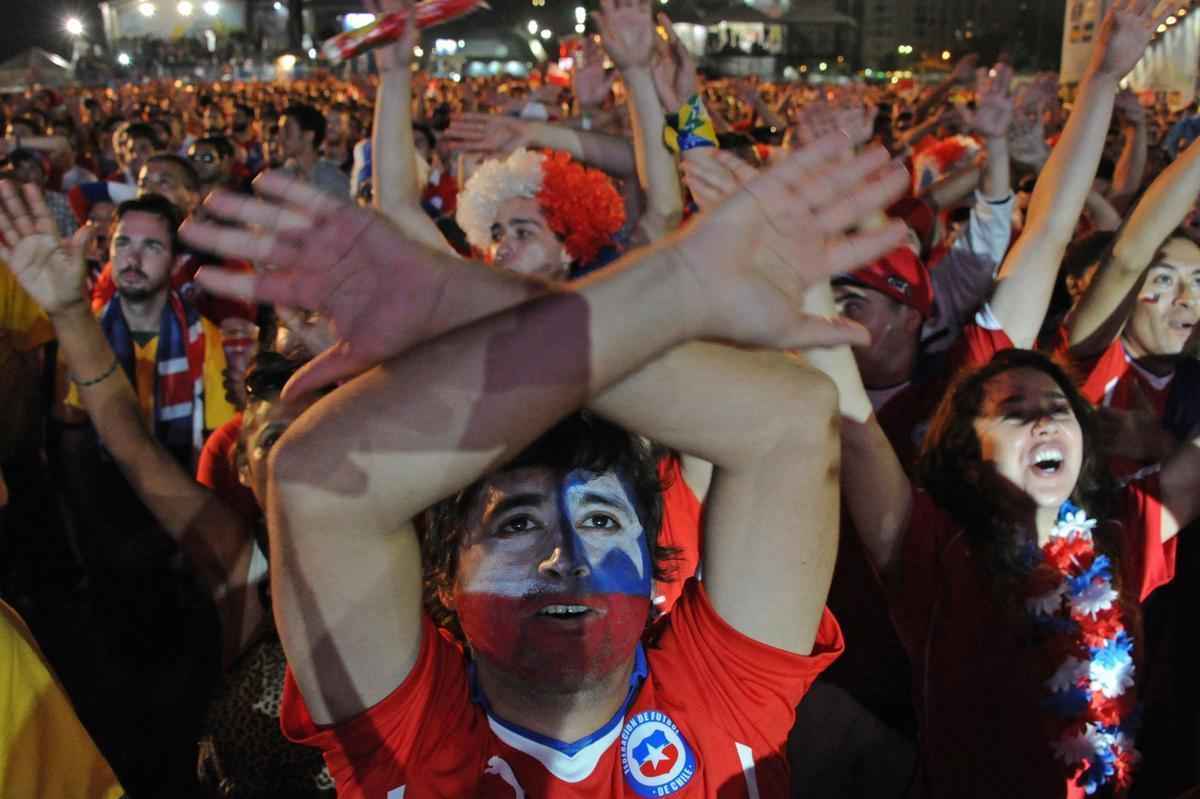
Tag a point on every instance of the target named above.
point(213, 159)
point(172, 355)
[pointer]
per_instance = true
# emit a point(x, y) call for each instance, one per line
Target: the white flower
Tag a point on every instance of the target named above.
point(1075, 524)
point(1095, 598)
point(1046, 604)
point(1111, 678)
point(1069, 674)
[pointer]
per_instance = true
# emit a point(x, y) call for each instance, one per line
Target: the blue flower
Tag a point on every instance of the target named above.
point(1101, 569)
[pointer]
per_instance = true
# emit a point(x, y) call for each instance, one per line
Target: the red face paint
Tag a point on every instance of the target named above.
point(563, 652)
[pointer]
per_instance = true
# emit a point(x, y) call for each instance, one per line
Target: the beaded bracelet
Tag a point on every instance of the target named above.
point(111, 371)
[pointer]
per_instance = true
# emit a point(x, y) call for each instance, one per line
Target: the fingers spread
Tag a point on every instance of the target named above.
point(874, 195)
point(863, 248)
point(252, 211)
point(297, 193)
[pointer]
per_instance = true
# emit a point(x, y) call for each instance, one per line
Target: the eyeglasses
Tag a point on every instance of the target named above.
point(204, 158)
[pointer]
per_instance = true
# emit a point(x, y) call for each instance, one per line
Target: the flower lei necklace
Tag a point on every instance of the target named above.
point(1072, 599)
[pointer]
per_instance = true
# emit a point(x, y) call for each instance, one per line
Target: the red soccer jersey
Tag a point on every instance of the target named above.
point(976, 691)
point(1113, 380)
point(680, 529)
point(710, 718)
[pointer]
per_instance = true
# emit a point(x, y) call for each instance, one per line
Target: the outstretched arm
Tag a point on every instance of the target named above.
point(213, 537)
point(375, 452)
point(492, 133)
point(877, 491)
point(1104, 307)
point(1131, 168)
point(629, 38)
point(393, 153)
point(1028, 273)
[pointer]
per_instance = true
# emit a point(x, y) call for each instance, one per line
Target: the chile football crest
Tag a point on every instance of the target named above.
point(654, 756)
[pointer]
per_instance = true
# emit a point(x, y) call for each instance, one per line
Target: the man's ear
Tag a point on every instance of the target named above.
point(913, 321)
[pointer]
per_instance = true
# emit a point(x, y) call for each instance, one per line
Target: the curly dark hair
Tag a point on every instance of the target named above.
point(581, 441)
point(951, 454)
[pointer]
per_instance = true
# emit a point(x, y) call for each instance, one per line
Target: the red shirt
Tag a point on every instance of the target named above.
point(711, 718)
point(680, 529)
point(217, 469)
point(976, 691)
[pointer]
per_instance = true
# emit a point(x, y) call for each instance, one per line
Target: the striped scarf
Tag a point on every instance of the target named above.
point(178, 375)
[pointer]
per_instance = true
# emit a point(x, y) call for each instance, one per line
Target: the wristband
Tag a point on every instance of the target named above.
point(111, 371)
point(690, 128)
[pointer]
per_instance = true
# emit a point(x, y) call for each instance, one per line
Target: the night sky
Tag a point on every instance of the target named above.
point(40, 22)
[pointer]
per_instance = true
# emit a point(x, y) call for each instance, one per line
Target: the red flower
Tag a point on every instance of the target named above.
point(1103, 628)
point(581, 205)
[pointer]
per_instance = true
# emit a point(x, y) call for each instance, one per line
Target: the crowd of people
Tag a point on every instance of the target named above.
point(660, 434)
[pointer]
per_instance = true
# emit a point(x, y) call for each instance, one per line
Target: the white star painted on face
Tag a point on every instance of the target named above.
point(655, 754)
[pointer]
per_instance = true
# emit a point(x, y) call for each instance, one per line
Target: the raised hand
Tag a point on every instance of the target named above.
point(627, 32)
point(49, 269)
point(381, 290)
point(487, 133)
point(799, 211)
point(398, 55)
point(1124, 36)
point(590, 82)
point(993, 106)
point(674, 70)
point(820, 119)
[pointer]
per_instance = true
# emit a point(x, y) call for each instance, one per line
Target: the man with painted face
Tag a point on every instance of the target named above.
point(558, 697)
point(1129, 330)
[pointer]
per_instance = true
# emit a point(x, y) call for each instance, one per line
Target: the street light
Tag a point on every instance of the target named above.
point(580, 28)
point(123, 59)
point(74, 26)
point(580, 14)
point(546, 34)
point(212, 8)
point(147, 9)
point(533, 27)
point(945, 55)
point(184, 8)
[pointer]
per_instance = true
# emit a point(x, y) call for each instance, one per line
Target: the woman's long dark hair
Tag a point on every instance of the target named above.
point(951, 461)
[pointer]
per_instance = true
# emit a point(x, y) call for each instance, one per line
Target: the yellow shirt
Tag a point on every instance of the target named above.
point(21, 317)
point(44, 751)
point(217, 410)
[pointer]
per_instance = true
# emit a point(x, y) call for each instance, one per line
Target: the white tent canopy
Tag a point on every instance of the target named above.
point(35, 65)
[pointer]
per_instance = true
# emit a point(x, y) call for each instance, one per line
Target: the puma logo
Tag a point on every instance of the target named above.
point(502, 770)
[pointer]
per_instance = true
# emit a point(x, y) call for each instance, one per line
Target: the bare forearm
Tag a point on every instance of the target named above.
point(657, 172)
point(422, 426)
point(393, 153)
point(876, 490)
point(953, 189)
point(212, 537)
point(996, 184)
point(1103, 215)
point(1161, 210)
point(1131, 168)
point(612, 154)
point(697, 398)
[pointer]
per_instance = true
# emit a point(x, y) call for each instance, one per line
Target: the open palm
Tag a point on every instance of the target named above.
point(381, 290)
point(49, 269)
point(795, 214)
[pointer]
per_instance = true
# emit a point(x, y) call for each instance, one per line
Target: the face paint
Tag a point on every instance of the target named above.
point(564, 600)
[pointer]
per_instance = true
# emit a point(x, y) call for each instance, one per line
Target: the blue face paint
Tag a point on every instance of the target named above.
point(601, 530)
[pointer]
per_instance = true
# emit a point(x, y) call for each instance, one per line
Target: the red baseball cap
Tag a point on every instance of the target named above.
point(901, 276)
